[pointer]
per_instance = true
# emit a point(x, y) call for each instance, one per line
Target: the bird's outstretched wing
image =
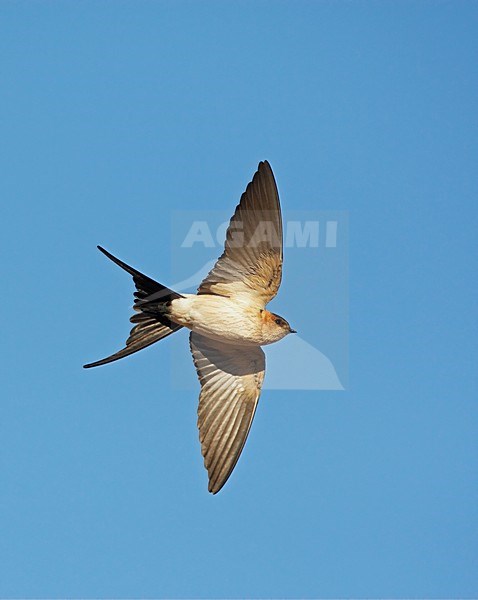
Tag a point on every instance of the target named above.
point(231, 379)
point(251, 264)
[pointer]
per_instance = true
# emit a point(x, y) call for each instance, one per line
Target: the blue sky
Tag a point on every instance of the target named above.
point(114, 115)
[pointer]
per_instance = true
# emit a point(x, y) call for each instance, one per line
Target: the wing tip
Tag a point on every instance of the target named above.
point(215, 488)
point(264, 164)
point(264, 170)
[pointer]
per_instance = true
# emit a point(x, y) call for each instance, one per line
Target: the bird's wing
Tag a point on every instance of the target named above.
point(251, 264)
point(231, 379)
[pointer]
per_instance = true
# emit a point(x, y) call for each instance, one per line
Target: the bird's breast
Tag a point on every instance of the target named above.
point(219, 318)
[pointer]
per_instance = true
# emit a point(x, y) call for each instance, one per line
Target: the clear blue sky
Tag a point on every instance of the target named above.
point(114, 114)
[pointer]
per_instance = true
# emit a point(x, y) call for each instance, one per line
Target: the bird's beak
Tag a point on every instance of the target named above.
point(292, 331)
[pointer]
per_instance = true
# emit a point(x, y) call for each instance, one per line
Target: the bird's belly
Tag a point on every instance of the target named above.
point(219, 318)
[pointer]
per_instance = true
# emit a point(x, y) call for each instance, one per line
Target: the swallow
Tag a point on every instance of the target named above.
point(228, 323)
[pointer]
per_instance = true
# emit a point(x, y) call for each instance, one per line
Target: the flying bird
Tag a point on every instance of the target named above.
point(228, 323)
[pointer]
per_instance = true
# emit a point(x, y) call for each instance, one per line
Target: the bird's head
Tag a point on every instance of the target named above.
point(274, 326)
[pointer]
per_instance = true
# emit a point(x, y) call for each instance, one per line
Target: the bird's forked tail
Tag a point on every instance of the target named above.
point(151, 318)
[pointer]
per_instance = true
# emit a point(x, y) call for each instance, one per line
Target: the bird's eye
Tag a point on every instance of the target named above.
point(278, 322)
